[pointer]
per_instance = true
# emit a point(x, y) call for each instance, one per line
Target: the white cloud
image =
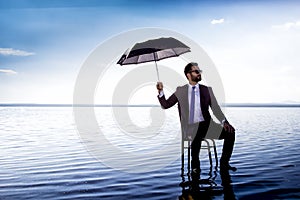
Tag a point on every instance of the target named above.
point(287, 25)
point(14, 52)
point(217, 21)
point(7, 71)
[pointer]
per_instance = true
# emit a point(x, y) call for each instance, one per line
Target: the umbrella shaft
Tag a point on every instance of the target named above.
point(157, 72)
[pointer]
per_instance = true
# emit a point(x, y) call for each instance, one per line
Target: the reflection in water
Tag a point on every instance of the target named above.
point(227, 186)
point(207, 188)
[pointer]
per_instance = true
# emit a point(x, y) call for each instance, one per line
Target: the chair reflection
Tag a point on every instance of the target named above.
point(208, 189)
point(193, 187)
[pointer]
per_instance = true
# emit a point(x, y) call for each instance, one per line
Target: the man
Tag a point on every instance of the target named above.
point(194, 101)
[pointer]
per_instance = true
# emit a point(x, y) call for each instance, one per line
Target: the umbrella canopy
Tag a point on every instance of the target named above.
point(153, 50)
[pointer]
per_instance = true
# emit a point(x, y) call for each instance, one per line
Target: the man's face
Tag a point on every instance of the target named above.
point(195, 74)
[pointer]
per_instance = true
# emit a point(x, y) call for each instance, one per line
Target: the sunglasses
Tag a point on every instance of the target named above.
point(196, 71)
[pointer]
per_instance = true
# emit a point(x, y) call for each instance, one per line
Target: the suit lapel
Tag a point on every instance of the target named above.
point(202, 97)
point(186, 96)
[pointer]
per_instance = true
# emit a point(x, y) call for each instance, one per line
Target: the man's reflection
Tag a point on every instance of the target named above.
point(196, 188)
point(227, 186)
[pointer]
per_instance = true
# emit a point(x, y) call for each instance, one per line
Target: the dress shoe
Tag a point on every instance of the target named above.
point(226, 166)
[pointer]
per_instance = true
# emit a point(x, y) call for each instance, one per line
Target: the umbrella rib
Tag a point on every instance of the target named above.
point(174, 52)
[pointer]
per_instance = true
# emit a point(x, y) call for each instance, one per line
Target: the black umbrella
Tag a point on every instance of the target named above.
point(153, 50)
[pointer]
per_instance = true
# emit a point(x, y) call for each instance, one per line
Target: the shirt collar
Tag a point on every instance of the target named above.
point(191, 86)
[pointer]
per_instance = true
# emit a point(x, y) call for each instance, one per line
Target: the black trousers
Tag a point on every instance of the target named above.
point(211, 130)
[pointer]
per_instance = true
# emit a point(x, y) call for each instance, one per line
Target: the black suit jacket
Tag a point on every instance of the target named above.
point(180, 96)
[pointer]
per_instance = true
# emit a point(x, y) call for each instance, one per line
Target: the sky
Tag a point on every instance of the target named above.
point(255, 45)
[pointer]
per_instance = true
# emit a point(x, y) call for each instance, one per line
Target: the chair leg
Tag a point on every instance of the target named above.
point(208, 151)
point(215, 151)
point(209, 147)
point(182, 157)
point(189, 157)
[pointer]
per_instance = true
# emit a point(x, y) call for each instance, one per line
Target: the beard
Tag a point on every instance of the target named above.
point(196, 78)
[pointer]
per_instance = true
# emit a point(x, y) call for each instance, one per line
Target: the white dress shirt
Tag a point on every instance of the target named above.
point(198, 116)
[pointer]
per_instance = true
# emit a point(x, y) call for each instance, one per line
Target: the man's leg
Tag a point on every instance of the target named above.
point(196, 146)
point(228, 145)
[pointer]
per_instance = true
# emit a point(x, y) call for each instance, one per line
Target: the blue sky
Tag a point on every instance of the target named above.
point(254, 44)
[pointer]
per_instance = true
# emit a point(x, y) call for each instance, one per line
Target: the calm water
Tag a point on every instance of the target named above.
point(43, 157)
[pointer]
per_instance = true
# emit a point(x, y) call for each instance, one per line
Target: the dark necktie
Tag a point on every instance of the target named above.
point(192, 106)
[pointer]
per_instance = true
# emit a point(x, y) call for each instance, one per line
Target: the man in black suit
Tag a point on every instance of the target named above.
point(194, 101)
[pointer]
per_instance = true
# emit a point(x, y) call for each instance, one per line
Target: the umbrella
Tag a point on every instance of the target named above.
point(153, 50)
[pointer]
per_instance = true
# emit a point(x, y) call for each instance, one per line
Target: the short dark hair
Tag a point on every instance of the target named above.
point(188, 67)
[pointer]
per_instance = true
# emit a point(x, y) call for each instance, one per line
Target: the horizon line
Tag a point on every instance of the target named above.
point(142, 105)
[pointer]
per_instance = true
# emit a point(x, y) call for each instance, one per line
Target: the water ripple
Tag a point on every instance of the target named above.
point(42, 157)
